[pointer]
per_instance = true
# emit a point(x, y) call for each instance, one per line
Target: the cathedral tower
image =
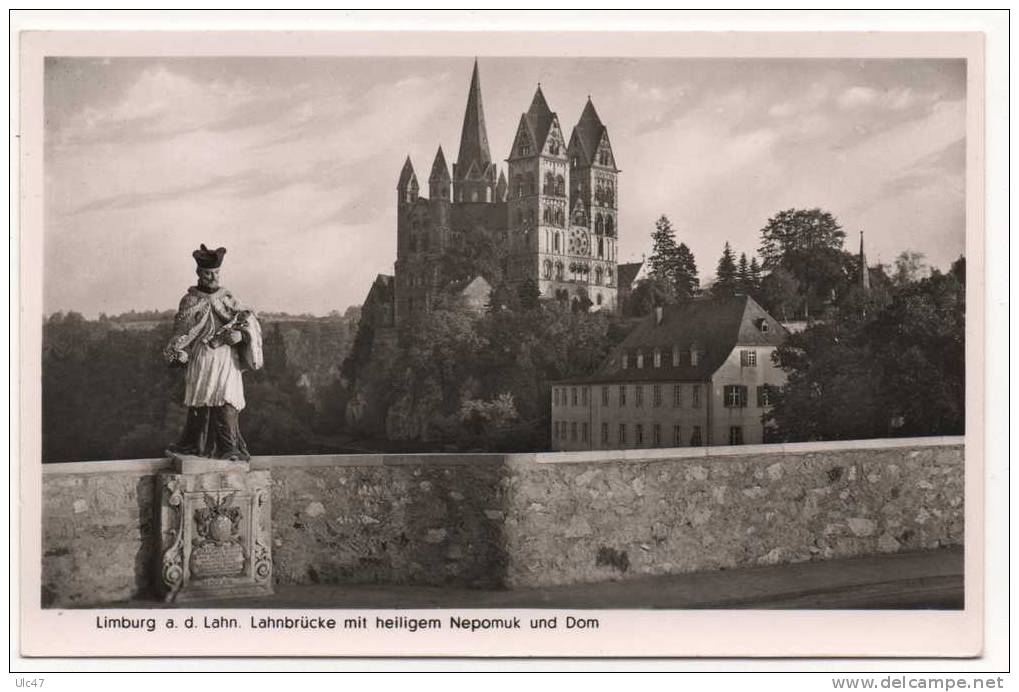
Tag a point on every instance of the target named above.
point(593, 191)
point(474, 176)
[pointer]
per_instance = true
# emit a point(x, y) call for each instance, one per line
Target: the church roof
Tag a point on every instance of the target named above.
point(473, 137)
point(407, 174)
point(589, 131)
point(440, 171)
point(539, 118)
point(714, 325)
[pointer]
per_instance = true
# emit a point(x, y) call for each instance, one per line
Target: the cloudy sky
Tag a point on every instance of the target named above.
point(292, 163)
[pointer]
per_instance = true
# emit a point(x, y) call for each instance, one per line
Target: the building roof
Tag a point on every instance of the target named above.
point(407, 175)
point(589, 130)
point(539, 118)
point(440, 171)
point(474, 137)
point(714, 326)
point(626, 273)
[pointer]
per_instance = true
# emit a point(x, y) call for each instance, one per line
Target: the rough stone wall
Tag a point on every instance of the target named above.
point(408, 523)
point(487, 520)
point(98, 537)
point(581, 522)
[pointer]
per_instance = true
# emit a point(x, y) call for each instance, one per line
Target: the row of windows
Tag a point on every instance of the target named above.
point(681, 437)
point(747, 358)
point(557, 270)
point(733, 395)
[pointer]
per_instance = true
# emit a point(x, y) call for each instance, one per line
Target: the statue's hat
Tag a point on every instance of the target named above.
point(209, 259)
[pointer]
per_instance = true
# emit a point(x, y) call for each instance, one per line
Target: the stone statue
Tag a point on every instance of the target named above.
point(215, 338)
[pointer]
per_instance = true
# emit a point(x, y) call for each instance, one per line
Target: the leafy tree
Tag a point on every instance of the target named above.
point(529, 294)
point(726, 277)
point(909, 267)
point(780, 294)
point(896, 368)
point(798, 231)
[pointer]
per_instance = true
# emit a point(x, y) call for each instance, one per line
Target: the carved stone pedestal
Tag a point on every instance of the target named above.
point(216, 531)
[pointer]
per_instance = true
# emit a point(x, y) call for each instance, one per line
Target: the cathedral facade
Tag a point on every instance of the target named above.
point(552, 213)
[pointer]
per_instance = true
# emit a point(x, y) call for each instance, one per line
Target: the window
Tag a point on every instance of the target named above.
point(693, 356)
point(622, 395)
point(625, 360)
point(763, 396)
point(555, 396)
point(573, 395)
point(573, 431)
point(622, 434)
point(695, 438)
point(640, 360)
point(677, 436)
point(656, 435)
point(609, 226)
point(658, 358)
point(736, 435)
point(734, 396)
point(583, 432)
point(696, 403)
point(583, 396)
point(604, 433)
point(638, 398)
point(677, 396)
point(748, 358)
point(675, 356)
point(638, 435)
point(656, 395)
point(605, 396)
point(548, 269)
point(558, 265)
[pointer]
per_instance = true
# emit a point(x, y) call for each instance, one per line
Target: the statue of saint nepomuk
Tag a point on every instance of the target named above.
point(216, 339)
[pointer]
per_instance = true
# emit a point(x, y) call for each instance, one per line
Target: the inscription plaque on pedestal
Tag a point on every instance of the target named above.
point(216, 534)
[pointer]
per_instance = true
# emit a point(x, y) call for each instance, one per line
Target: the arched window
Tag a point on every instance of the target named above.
point(609, 226)
point(560, 219)
point(597, 299)
point(599, 224)
point(549, 184)
point(560, 186)
point(601, 249)
point(548, 269)
point(579, 218)
point(518, 186)
point(546, 215)
point(608, 276)
point(559, 271)
point(598, 275)
point(555, 242)
point(530, 184)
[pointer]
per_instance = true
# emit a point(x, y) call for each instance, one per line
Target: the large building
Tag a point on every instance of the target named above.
point(695, 373)
point(552, 215)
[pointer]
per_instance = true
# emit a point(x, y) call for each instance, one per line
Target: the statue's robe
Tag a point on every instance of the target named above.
point(214, 389)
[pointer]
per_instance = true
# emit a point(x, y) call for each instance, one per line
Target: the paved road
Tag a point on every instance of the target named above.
point(931, 579)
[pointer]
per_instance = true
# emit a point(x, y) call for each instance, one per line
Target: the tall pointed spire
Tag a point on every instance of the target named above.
point(438, 180)
point(473, 136)
point(864, 273)
point(539, 117)
point(407, 186)
point(473, 172)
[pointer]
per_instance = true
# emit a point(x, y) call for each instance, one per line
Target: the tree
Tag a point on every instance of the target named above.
point(909, 267)
point(529, 294)
point(661, 263)
point(686, 281)
point(755, 275)
point(895, 369)
point(780, 294)
point(726, 278)
point(743, 281)
point(796, 231)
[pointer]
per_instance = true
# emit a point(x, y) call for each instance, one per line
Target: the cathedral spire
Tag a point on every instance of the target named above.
point(864, 273)
point(407, 186)
point(473, 136)
point(438, 181)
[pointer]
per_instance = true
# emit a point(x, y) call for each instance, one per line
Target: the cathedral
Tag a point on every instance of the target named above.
point(552, 213)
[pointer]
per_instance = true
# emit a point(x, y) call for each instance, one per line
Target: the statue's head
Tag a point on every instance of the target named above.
point(209, 262)
point(208, 279)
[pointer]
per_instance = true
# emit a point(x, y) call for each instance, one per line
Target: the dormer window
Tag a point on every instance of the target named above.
point(640, 361)
point(658, 358)
point(693, 355)
point(625, 360)
point(675, 356)
point(762, 324)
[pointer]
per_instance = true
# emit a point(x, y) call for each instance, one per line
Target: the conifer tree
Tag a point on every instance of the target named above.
point(661, 263)
point(725, 274)
point(743, 274)
point(686, 281)
point(755, 274)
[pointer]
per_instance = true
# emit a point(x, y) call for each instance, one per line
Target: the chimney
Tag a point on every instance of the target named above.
point(658, 314)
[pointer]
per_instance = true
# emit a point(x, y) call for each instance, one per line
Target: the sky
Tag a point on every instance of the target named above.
point(292, 163)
